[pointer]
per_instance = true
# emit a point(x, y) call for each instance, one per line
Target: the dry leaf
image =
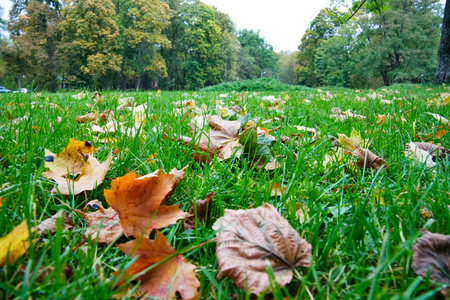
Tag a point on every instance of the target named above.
point(90, 117)
point(49, 224)
point(166, 279)
point(431, 256)
point(203, 208)
point(250, 240)
point(103, 224)
point(439, 118)
point(137, 200)
point(433, 149)
point(92, 175)
point(14, 244)
point(352, 142)
point(368, 159)
point(277, 190)
point(69, 161)
point(381, 119)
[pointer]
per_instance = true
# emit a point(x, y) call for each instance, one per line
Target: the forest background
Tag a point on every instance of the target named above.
point(188, 45)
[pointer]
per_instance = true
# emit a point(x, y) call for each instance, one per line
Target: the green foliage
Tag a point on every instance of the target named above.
point(259, 84)
point(256, 58)
point(286, 66)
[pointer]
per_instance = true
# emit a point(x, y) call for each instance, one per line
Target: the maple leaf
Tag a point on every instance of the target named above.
point(433, 150)
point(69, 161)
point(251, 239)
point(203, 209)
point(103, 224)
point(91, 176)
point(173, 275)
point(14, 244)
point(277, 190)
point(137, 200)
point(431, 257)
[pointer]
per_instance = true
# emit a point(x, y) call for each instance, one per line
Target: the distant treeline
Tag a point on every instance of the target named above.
point(173, 44)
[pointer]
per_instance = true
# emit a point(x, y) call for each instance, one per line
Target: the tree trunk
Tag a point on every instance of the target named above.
point(138, 83)
point(443, 66)
point(18, 83)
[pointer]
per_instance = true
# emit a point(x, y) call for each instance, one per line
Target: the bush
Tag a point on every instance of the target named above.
point(260, 84)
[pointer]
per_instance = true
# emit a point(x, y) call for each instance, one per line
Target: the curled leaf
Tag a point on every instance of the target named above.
point(368, 159)
point(431, 256)
point(203, 209)
point(49, 224)
point(250, 240)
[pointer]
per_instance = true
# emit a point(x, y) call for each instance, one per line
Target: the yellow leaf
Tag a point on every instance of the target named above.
point(354, 141)
point(14, 244)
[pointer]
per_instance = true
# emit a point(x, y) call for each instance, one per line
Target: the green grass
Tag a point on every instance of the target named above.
point(257, 84)
point(362, 247)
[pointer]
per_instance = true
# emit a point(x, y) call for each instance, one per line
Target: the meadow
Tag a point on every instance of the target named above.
point(361, 222)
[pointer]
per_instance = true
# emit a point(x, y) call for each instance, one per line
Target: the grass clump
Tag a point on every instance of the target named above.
point(254, 85)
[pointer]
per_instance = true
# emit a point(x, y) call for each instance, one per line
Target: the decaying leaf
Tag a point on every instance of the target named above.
point(137, 200)
point(203, 209)
point(431, 256)
point(381, 119)
point(92, 175)
point(14, 244)
point(103, 224)
point(166, 279)
point(420, 155)
point(368, 159)
point(255, 238)
point(89, 117)
point(49, 225)
point(339, 115)
point(277, 190)
point(69, 161)
point(433, 150)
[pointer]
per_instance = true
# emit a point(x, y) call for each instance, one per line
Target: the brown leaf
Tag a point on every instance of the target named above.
point(49, 224)
point(368, 159)
point(431, 256)
point(103, 224)
point(92, 175)
point(253, 238)
point(90, 117)
point(277, 190)
point(137, 200)
point(434, 150)
point(220, 141)
point(166, 279)
point(203, 208)
point(178, 176)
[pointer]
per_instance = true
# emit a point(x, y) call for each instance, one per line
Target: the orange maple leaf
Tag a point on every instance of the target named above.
point(137, 200)
point(174, 274)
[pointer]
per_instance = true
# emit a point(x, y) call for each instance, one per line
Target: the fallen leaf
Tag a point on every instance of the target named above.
point(48, 226)
point(102, 224)
point(277, 190)
point(431, 256)
point(251, 240)
point(368, 159)
point(203, 209)
point(14, 244)
point(441, 133)
point(98, 97)
point(90, 117)
point(137, 200)
point(381, 119)
point(79, 96)
point(439, 118)
point(92, 175)
point(70, 161)
point(351, 143)
point(433, 149)
point(166, 279)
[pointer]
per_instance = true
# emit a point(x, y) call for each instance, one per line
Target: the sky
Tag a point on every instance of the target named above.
point(282, 23)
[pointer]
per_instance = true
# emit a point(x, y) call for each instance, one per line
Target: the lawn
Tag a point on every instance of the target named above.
point(362, 223)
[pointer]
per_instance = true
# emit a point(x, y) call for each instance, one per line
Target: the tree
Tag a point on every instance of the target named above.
point(257, 57)
point(402, 41)
point(286, 65)
point(443, 56)
point(141, 23)
point(90, 40)
point(323, 27)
